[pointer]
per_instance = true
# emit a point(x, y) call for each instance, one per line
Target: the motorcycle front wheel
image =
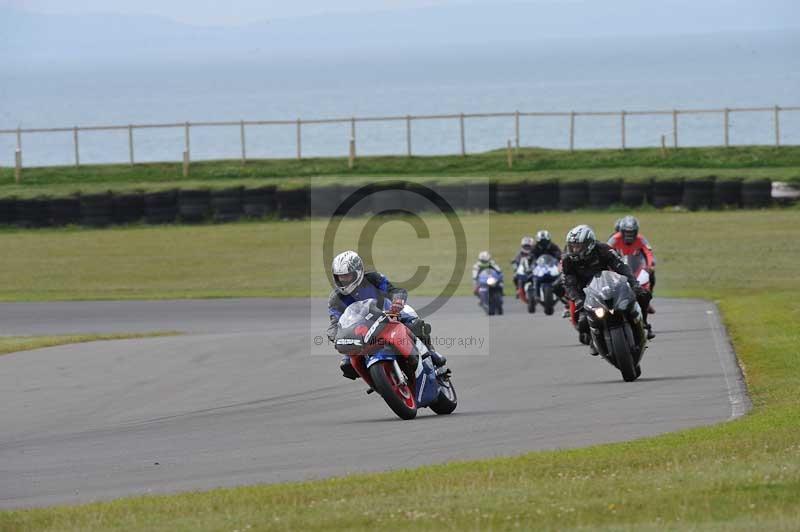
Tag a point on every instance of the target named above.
point(399, 396)
point(622, 354)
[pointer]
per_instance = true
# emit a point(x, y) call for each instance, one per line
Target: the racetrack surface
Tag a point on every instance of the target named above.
point(240, 399)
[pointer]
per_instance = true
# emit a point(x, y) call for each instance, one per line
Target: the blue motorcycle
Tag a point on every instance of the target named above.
point(490, 291)
point(545, 274)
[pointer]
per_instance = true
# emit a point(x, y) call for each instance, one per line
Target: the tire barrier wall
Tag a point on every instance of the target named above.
point(235, 203)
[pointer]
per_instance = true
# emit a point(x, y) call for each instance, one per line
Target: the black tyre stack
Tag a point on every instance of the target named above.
point(293, 204)
point(97, 210)
point(8, 210)
point(572, 194)
point(454, 194)
point(391, 196)
point(756, 193)
point(226, 204)
point(543, 195)
point(64, 211)
point(727, 193)
point(194, 206)
point(479, 196)
point(667, 192)
point(635, 193)
point(259, 202)
point(698, 193)
point(324, 201)
point(32, 212)
point(128, 207)
point(512, 197)
point(604, 193)
point(161, 207)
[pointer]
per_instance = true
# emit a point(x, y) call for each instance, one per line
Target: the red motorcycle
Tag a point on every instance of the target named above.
point(393, 362)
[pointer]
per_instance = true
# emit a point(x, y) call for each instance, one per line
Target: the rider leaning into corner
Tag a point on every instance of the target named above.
point(626, 240)
point(353, 284)
point(533, 249)
point(585, 257)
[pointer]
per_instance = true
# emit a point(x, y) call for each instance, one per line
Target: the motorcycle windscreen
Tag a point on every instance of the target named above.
point(485, 275)
point(355, 313)
point(609, 289)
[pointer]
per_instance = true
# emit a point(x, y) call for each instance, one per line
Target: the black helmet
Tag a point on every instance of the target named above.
point(629, 227)
point(581, 241)
point(543, 238)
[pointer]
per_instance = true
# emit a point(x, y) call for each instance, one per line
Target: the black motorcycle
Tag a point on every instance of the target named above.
point(615, 323)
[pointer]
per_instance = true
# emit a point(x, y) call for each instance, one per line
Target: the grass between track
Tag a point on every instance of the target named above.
point(779, 164)
point(739, 475)
point(15, 344)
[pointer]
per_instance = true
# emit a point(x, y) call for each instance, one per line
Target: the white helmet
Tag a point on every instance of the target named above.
point(484, 257)
point(348, 271)
point(526, 245)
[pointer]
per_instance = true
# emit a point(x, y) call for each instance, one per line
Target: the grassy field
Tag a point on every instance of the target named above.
point(15, 344)
point(284, 258)
point(530, 163)
point(739, 475)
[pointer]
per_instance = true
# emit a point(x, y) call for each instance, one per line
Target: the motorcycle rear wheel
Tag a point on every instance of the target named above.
point(622, 354)
point(398, 396)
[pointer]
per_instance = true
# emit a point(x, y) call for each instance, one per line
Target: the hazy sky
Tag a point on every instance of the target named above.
point(214, 12)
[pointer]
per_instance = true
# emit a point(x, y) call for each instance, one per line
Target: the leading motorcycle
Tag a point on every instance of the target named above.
point(615, 323)
point(393, 362)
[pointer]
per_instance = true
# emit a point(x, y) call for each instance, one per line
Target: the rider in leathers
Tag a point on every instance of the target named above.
point(353, 284)
point(584, 257)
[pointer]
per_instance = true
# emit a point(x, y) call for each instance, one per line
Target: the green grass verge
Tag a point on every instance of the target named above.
point(15, 344)
point(739, 475)
point(530, 163)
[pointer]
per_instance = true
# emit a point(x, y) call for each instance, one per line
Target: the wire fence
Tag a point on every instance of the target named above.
point(671, 137)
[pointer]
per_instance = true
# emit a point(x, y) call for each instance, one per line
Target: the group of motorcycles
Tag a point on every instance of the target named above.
point(397, 365)
point(615, 321)
point(537, 278)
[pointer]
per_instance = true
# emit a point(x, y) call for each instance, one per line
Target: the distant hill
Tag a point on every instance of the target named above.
point(34, 37)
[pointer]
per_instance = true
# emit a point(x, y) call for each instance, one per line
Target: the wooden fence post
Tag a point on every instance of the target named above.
point(509, 155)
point(777, 126)
point(188, 141)
point(664, 146)
point(516, 129)
point(185, 163)
point(299, 140)
point(351, 159)
point(675, 128)
point(130, 143)
point(572, 131)
point(463, 142)
point(353, 134)
point(19, 141)
point(77, 147)
point(408, 135)
point(622, 128)
point(244, 142)
point(726, 121)
point(17, 165)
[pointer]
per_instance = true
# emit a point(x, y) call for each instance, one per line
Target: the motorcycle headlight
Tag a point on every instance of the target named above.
point(600, 312)
point(491, 281)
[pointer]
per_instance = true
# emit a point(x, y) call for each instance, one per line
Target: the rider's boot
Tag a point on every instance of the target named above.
point(593, 350)
point(650, 333)
point(348, 371)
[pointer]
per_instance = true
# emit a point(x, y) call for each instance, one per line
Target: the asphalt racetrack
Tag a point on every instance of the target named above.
point(242, 399)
